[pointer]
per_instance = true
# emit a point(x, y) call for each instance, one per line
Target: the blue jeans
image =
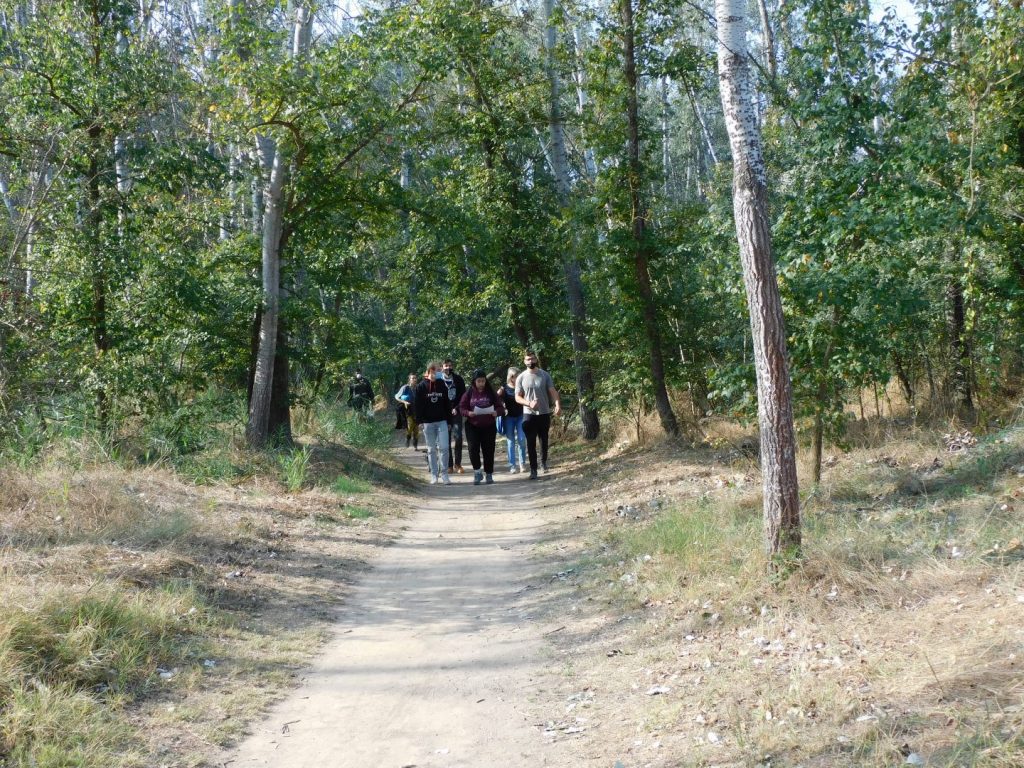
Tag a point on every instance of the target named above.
point(436, 434)
point(514, 435)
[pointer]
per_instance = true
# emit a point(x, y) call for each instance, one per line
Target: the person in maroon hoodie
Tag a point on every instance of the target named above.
point(481, 407)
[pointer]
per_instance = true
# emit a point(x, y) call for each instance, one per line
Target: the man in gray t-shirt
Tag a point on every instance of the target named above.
point(536, 392)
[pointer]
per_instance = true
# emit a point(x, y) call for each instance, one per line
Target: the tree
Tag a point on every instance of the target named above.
point(753, 231)
point(558, 159)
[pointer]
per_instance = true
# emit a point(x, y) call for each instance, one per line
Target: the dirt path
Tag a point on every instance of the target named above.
point(436, 658)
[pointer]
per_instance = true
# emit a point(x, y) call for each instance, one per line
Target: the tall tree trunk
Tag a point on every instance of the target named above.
point(268, 406)
point(257, 429)
point(559, 160)
point(768, 36)
point(750, 208)
point(279, 420)
point(638, 214)
point(580, 44)
point(959, 352)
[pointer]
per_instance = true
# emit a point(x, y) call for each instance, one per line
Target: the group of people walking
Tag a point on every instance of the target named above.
point(444, 409)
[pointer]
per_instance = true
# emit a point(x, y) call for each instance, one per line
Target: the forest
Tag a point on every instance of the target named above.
point(375, 185)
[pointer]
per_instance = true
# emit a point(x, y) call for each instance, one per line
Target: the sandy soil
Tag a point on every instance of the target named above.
point(438, 657)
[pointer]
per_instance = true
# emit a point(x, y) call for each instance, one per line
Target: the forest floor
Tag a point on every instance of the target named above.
point(615, 613)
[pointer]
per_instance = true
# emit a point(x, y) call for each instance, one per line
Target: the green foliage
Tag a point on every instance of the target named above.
point(346, 486)
point(422, 218)
point(295, 468)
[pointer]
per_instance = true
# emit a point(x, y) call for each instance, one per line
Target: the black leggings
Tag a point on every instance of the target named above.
point(481, 439)
point(537, 425)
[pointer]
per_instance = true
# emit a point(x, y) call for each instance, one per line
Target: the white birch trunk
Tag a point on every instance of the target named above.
point(580, 43)
point(750, 208)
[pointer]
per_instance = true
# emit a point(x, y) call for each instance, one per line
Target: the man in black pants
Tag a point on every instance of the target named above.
point(456, 389)
point(536, 392)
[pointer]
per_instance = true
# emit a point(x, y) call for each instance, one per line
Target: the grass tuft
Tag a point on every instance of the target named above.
point(346, 486)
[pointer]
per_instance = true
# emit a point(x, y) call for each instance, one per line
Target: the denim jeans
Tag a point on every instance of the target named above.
point(515, 436)
point(436, 435)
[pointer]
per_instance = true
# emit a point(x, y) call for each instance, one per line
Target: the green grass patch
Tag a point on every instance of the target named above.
point(346, 486)
point(701, 537)
point(295, 468)
point(62, 727)
point(358, 513)
point(70, 661)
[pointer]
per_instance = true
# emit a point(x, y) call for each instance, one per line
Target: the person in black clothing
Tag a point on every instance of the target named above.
point(360, 393)
point(433, 410)
point(456, 389)
point(481, 407)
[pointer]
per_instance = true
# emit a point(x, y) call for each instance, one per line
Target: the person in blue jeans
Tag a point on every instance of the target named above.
point(512, 425)
point(433, 409)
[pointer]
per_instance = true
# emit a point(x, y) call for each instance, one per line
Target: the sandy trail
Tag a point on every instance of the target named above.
point(436, 658)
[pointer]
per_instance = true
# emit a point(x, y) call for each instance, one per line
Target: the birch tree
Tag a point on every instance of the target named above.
point(753, 231)
point(558, 158)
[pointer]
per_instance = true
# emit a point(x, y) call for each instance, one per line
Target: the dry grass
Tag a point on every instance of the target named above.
point(150, 613)
point(902, 632)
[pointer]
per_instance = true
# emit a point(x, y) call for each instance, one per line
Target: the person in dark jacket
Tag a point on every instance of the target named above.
point(433, 410)
point(481, 407)
point(360, 393)
point(456, 389)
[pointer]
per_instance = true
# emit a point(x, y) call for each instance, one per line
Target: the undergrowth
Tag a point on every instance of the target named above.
point(905, 594)
point(70, 661)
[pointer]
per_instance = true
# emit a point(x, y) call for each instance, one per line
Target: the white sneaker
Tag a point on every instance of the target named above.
point(513, 469)
point(433, 479)
point(445, 479)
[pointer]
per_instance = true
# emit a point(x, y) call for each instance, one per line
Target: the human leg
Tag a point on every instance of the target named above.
point(543, 428)
point(520, 437)
point(432, 434)
point(530, 428)
point(456, 429)
point(486, 439)
point(442, 441)
point(473, 439)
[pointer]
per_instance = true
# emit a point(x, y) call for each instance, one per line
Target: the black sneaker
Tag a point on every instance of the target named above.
point(533, 474)
point(544, 466)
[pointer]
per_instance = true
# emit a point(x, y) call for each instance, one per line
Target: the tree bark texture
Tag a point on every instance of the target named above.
point(257, 429)
point(750, 209)
point(559, 160)
point(269, 414)
point(960, 376)
point(638, 215)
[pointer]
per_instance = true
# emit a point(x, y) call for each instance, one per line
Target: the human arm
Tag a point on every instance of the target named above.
point(520, 394)
point(464, 406)
point(553, 395)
